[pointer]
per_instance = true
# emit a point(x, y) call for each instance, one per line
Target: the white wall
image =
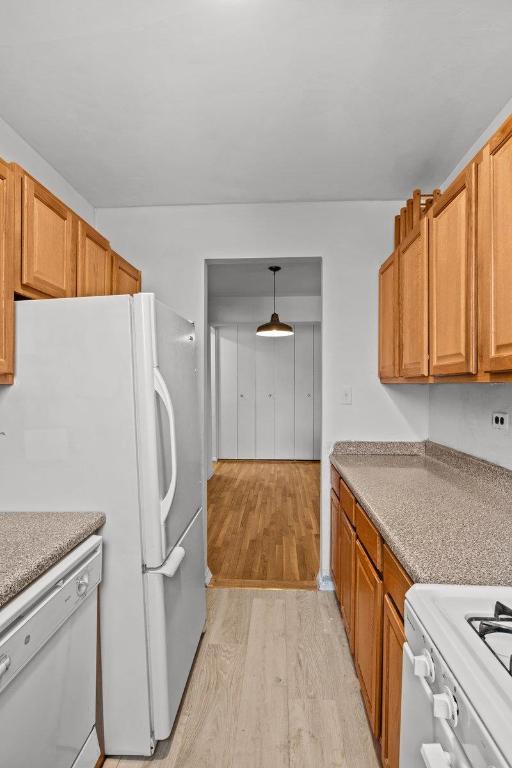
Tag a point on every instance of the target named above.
point(460, 414)
point(257, 309)
point(171, 245)
point(14, 149)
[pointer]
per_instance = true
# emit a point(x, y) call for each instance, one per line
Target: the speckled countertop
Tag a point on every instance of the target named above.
point(31, 542)
point(446, 516)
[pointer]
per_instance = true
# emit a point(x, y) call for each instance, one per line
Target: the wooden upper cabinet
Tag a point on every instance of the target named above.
point(45, 241)
point(393, 641)
point(452, 279)
point(494, 175)
point(94, 271)
point(388, 317)
point(413, 293)
point(125, 277)
point(347, 569)
point(368, 635)
point(6, 274)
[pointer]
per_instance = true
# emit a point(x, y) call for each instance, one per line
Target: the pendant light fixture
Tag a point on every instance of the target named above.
point(275, 328)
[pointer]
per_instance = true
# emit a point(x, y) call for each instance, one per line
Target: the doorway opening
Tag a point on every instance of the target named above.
point(264, 422)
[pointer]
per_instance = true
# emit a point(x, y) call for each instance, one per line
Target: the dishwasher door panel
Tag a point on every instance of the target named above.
point(48, 709)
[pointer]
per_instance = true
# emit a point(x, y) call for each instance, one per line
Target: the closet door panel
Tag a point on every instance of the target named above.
point(246, 392)
point(304, 391)
point(227, 392)
point(284, 360)
point(265, 400)
point(317, 391)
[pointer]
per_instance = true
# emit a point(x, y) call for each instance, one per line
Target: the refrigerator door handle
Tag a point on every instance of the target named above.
point(163, 392)
point(171, 565)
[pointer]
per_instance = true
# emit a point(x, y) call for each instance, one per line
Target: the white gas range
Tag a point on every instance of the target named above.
point(457, 678)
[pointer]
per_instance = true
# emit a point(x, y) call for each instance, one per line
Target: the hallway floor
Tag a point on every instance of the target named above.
point(264, 523)
point(273, 686)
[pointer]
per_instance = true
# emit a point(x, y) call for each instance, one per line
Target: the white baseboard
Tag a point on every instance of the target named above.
point(325, 583)
point(207, 576)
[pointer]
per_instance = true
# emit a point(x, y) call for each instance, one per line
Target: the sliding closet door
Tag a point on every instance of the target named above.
point(265, 400)
point(304, 391)
point(284, 361)
point(317, 391)
point(227, 371)
point(246, 392)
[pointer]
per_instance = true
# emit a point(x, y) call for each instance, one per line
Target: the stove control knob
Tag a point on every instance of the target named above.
point(446, 707)
point(424, 666)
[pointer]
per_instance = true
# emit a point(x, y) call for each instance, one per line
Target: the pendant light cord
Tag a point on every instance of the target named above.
point(274, 292)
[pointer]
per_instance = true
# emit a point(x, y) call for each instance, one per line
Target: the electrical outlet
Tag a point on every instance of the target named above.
point(346, 395)
point(500, 421)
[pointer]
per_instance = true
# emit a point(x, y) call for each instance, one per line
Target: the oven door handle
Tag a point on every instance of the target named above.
point(434, 756)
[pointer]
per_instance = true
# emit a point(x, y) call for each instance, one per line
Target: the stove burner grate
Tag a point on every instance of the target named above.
point(487, 626)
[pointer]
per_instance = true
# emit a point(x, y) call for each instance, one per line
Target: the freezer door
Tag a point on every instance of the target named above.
point(168, 424)
point(176, 603)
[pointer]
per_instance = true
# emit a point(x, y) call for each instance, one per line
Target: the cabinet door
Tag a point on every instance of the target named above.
point(368, 635)
point(47, 259)
point(6, 274)
point(265, 400)
point(335, 544)
point(227, 351)
point(494, 251)
point(452, 279)
point(347, 537)
point(284, 401)
point(94, 276)
point(246, 392)
point(125, 277)
point(388, 318)
point(304, 399)
point(413, 280)
point(393, 641)
point(317, 391)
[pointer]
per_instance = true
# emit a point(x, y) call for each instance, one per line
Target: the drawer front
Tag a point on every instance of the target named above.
point(369, 537)
point(396, 580)
point(348, 502)
point(335, 481)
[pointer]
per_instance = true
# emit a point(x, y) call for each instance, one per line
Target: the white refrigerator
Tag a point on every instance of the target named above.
point(104, 414)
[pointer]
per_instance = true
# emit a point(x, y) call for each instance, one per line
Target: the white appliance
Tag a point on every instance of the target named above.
point(104, 415)
point(48, 666)
point(457, 678)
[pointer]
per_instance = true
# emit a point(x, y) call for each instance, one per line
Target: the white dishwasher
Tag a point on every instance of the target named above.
point(48, 666)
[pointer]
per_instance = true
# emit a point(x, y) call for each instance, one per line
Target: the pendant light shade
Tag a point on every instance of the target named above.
point(275, 327)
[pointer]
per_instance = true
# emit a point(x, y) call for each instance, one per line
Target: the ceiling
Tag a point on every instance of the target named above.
point(298, 277)
point(146, 102)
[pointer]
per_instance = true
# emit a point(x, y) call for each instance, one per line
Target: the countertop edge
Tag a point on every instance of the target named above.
point(41, 564)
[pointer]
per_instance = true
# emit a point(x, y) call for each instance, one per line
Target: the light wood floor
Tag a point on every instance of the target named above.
point(264, 523)
point(273, 687)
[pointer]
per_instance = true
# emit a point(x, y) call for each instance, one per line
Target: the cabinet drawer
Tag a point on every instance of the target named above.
point(348, 502)
point(335, 481)
point(369, 537)
point(396, 580)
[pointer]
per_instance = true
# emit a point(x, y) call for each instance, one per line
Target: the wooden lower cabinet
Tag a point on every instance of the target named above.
point(347, 570)
point(335, 543)
point(368, 634)
point(392, 649)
